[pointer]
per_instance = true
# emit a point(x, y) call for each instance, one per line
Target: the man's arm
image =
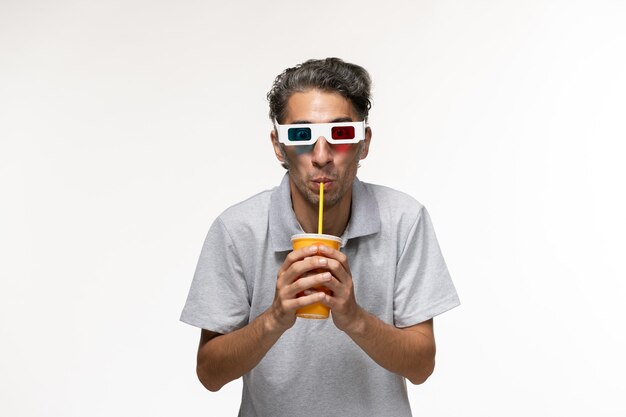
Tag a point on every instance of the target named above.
point(225, 357)
point(409, 351)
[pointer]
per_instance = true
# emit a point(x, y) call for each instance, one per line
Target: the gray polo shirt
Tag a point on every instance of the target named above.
point(314, 369)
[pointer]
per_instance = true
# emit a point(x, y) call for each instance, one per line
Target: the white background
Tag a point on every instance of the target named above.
point(127, 126)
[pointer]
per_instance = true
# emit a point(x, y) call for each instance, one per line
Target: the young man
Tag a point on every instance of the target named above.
point(387, 282)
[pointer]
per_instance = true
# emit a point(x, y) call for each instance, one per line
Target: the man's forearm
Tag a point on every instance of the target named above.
point(227, 357)
point(409, 352)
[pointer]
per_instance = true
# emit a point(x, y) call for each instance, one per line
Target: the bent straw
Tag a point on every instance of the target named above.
point(320, 217)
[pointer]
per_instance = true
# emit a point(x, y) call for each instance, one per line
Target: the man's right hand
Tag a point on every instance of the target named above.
point(297, 274)
point(224, 358)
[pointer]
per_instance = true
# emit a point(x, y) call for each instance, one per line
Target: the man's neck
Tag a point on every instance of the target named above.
point(336, 217)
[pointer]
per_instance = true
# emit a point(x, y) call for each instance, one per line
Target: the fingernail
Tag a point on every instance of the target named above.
point(312, 249)
point(322, 261)
point(326, 276)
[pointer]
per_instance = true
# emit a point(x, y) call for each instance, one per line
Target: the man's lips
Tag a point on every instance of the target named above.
point(327, 182)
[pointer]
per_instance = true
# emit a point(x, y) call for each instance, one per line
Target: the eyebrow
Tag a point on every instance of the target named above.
point(308, 122)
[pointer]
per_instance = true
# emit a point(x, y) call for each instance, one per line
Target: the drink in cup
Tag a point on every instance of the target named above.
point(317, 310)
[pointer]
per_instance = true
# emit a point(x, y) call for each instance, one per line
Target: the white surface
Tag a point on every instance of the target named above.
point(114, 159)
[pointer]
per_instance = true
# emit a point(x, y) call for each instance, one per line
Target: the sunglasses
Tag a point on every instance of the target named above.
point(307, 134)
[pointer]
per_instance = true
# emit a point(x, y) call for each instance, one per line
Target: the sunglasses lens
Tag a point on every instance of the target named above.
point(296, 134)
point(342, 132)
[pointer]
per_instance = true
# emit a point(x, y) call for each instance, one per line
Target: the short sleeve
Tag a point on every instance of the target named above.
point(423, 287)
point(218, 299)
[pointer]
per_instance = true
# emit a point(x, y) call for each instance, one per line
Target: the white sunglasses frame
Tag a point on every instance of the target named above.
point(320, 130)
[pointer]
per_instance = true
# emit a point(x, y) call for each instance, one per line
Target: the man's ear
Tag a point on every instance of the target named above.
point(366, 146)
point(276, 145)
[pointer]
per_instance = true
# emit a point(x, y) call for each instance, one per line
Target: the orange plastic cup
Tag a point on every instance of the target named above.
point(317, 310)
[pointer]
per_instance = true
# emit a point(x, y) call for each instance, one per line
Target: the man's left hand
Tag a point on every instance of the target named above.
point(343, 306)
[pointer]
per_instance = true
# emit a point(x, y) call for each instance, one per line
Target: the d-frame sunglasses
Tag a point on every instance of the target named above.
point(307, 134)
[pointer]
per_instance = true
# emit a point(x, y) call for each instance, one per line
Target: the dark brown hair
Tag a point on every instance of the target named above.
point(330, 74)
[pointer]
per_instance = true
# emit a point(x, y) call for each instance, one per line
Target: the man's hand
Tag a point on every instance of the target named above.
point(224, 358)
point(409, 351)
point(297, 274)
point(343, 306)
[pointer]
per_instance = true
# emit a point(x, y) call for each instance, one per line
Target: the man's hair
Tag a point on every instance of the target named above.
point(331, 75)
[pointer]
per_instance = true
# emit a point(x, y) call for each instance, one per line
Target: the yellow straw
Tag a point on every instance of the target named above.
point(321, 212)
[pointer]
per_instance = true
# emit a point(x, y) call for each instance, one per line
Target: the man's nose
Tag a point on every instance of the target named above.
point(322, 152)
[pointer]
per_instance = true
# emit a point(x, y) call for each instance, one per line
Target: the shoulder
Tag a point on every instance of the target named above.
point(250, 214)
point(395, 204)
point(251, 206)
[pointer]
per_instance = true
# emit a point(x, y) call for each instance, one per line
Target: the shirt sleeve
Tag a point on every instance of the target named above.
point(218, 299)
point(423, 287)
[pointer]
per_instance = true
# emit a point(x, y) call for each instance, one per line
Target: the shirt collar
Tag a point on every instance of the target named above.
point(364, 219)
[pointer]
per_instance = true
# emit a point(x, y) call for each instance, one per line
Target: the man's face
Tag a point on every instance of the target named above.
point(335, 165)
